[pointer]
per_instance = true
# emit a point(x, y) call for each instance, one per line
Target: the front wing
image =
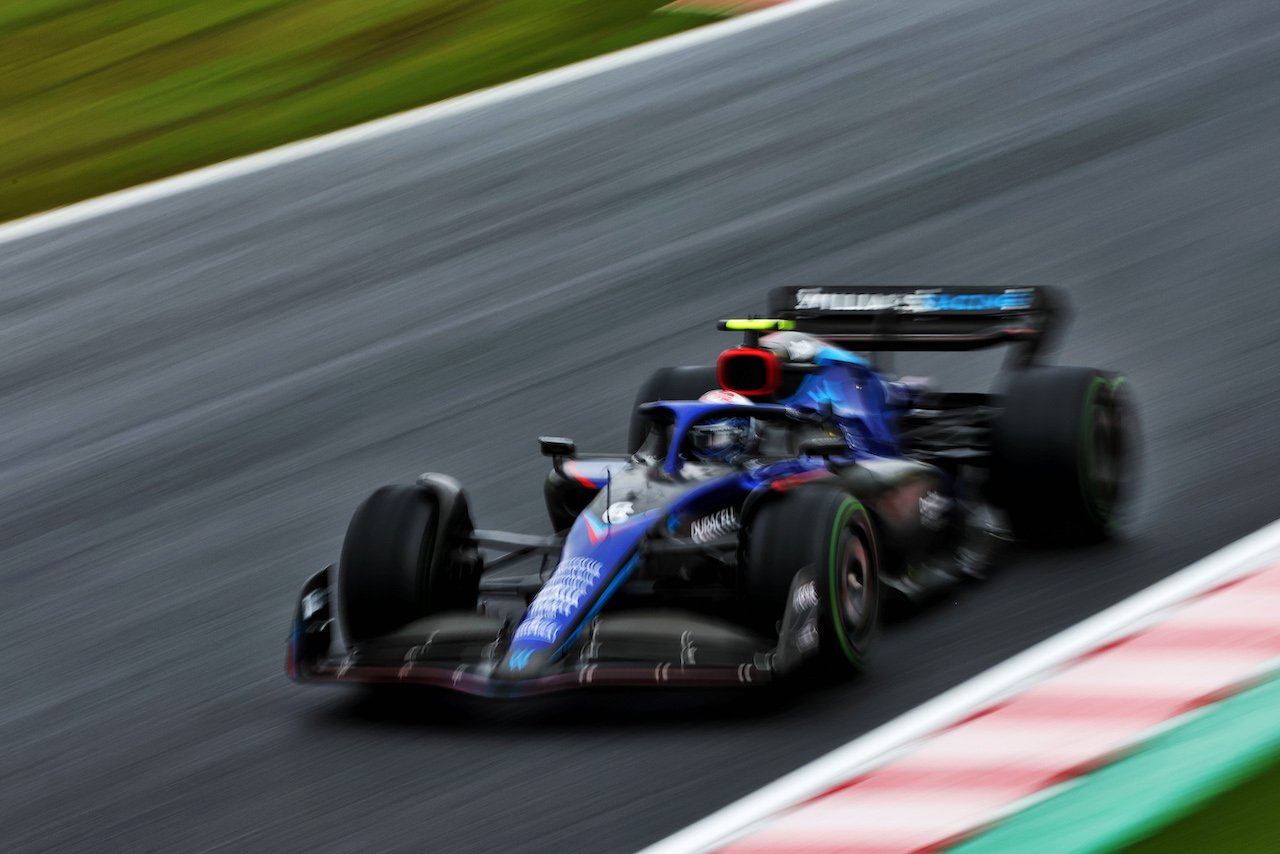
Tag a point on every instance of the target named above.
point(459, 651)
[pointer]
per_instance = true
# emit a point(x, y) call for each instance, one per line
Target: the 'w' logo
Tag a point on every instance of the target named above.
point(520, 659)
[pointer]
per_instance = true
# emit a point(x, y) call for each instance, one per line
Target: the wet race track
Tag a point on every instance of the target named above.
point(197, 392)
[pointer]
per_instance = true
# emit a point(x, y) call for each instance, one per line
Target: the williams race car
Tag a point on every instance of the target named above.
point(764, 510)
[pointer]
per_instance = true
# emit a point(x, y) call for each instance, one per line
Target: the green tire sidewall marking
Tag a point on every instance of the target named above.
point(845, 512)
point(1087, 426)
point(1113, 386)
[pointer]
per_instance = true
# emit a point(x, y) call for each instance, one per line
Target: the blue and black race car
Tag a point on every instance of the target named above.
point(766, 507)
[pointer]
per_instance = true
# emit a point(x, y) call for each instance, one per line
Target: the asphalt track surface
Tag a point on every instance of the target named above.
point(196, 393)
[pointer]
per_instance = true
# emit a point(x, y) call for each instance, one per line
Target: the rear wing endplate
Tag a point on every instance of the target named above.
point(935, 318)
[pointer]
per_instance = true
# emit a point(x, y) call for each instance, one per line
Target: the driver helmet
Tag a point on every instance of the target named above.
point(725, 439)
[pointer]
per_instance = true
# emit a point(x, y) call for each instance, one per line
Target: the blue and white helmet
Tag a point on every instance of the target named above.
point(723, 440)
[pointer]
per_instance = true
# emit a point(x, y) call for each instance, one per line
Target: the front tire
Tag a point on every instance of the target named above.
point(408, 553)
point(829, 532)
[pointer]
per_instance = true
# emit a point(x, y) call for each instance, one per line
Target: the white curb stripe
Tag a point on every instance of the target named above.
point(881, 745)
point(1161, 674)
point(1039, 743)
point(295, 151)
point(1254, 612)
point(884, 819)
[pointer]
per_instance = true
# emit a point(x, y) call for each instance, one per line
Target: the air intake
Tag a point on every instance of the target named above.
point(754, 373)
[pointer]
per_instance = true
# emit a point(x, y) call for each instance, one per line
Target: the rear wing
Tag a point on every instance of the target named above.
point(907, 318)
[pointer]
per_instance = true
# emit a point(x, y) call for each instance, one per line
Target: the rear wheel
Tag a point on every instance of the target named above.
point(408, 553)
point(1061, 454)
point(684, 383)
point(828, 532)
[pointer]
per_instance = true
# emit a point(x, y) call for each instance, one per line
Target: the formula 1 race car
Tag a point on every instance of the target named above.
point(765, 508)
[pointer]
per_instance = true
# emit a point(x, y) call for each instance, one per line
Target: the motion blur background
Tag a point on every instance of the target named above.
point(196, 392)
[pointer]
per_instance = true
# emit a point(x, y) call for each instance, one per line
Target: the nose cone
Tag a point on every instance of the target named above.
point(523, 662)
point(597, 557)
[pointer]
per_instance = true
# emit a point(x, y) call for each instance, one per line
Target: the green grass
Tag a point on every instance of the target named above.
point(1245, 820)
point(98, 95)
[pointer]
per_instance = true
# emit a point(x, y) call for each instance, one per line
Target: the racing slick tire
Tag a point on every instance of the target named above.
point(409, 552)
point(1060, 454)
point(684, 383)
point(828, 531)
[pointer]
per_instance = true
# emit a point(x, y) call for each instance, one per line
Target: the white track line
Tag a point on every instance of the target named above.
point(295, 151)
point(872, 749)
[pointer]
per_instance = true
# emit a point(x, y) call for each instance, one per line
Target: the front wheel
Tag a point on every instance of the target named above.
point(409, 552)
point(828, 532)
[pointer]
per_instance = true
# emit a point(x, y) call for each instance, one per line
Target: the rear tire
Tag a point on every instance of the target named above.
point(402, 561)
point(830, 532)
point(684, 383)
point(1061, 453)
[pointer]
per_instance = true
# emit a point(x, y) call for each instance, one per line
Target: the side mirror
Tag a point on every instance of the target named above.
point(826, 447)
point(554, 446)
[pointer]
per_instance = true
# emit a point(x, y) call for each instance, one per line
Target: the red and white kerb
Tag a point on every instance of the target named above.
point(959, 780)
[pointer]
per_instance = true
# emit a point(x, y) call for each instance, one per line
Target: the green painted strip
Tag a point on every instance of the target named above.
point(1175, 773)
